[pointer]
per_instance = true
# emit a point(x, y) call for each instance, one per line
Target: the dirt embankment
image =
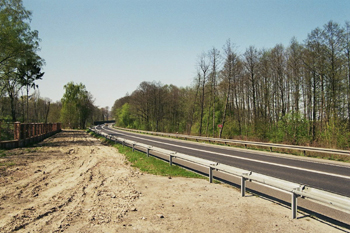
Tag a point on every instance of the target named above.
point(73, 183)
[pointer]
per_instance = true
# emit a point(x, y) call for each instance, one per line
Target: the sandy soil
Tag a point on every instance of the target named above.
point(73, 183)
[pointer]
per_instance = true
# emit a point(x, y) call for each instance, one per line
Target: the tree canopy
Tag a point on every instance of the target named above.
point(20, 65)
point(299, 94)
point(77, 106)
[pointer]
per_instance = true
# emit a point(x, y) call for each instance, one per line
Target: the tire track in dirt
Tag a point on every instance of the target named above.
point(73, 183)
point(78, 188)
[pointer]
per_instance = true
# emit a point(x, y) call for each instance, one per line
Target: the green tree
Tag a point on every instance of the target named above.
point(18, 44)
point(29, 72)
point(77, 106)
point(124, 116)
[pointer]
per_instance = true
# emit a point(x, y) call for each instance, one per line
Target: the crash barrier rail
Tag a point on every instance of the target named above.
point(103, 122)
point(304, 149)
point(28, 133)
point(332, 200)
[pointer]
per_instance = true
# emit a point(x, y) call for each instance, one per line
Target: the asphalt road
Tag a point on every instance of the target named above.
point(321, 174)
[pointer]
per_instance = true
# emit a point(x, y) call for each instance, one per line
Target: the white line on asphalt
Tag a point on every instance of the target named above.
point(237, 157)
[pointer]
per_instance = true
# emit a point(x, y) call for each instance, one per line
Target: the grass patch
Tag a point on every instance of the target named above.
point(154, 166)
point(150, 164)
point(7, 164)
point(31, 150)
point(2, 154)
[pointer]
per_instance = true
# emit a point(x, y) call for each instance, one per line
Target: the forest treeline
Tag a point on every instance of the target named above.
point(299, 94)
point(21, 68)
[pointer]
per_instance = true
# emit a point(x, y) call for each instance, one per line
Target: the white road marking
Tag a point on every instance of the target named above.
point(237, 157)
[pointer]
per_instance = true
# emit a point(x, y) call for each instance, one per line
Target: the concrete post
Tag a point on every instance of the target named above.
point(17, 132)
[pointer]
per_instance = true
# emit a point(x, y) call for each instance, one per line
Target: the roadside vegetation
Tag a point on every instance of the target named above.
point(297, 94)
point(150, 164)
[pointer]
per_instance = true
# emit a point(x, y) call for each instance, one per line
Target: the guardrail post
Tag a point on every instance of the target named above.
point(294, 205)
point(171, 159)
point(123, 143)
point(133, 147)
point(211, 174)
point(243, 186)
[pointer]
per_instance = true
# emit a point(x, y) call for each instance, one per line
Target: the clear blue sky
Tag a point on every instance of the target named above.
point(111, 46)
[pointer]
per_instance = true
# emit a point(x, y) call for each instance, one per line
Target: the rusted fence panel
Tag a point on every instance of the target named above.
point(29, 133)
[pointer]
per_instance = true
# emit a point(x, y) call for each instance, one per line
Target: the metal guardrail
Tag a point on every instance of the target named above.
point(329, 199)
point(246, 143)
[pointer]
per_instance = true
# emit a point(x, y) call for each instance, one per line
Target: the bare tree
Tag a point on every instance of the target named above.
point(203, 76)
point(251, 63)
point(347, 61)
point(214, 55)
point(227, 74)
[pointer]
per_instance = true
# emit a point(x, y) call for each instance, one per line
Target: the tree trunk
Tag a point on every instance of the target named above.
point(47, 112)
point(13, 108)
point(226, 101)
point(27, 103)
point(225, 110)
point(202, 109)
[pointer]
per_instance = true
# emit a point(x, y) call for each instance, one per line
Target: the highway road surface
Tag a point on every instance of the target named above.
point(327, 175)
